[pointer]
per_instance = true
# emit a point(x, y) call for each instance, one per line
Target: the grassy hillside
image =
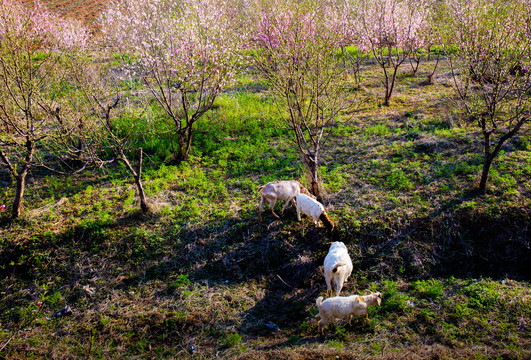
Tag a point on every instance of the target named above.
point(84, 10)
point(199, 277)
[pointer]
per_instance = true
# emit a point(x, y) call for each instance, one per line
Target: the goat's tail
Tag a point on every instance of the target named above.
point(338, 265)
point(261, 187)
point(327, 221)
point(318, 302)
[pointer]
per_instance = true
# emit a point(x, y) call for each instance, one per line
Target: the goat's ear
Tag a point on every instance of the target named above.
point(379, 300)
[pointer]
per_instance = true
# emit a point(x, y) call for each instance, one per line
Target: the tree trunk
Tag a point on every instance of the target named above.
point(19, 194)
point(311, 165)
point(430, 76)
point(414, 67)
point(141, 194)
point(488, 157)
point(137, 176)
point(184, 140)
point(138, 181)
point(387, 94)
point(21, 179)
point(485, 175)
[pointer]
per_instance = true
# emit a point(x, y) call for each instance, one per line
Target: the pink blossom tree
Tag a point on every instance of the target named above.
point(187, 52)
point(294, 45)
point(390, 30)
point(489, 42)
point(33, 43)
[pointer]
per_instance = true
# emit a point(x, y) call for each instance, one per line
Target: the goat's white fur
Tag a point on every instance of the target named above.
point(337, 266)
point(343, 307)
point(279, 190)
point(309, 206)
point(313, 208)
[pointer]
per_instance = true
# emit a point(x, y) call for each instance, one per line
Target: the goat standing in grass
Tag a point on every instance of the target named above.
point(310, 206)
point(280, 190)
point(337, 267)
point(343, 307)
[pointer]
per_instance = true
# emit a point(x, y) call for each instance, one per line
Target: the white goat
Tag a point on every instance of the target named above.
point(279, 190)
point(342, 307)
point(313, 208)
point(337, 267)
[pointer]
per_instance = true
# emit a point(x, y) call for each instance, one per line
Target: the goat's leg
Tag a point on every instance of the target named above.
point(323, 323)
point(338, 279)
point(272, 207)
point(328, 281)
point(286, 205)
point(350, 320)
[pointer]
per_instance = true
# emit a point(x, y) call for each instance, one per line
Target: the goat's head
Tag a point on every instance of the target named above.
point(373, 298)
point(378, 298)
point(329, 224)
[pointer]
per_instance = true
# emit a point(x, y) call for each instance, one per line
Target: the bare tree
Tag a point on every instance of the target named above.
point(103, 104)
point(32, 45)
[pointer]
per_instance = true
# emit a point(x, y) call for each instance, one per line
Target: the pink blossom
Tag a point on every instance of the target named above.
point(2, 207)
point(39, 303)
point(194, 40)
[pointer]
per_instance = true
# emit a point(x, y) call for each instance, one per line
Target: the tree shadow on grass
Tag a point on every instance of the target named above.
point(282, 255)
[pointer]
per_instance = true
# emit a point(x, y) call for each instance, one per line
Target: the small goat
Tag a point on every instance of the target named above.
point(337, 267)
point(343, 307)
point(313, 208)
point(280, 190)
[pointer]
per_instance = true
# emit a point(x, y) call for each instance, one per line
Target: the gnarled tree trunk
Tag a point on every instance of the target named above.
point(20, 177)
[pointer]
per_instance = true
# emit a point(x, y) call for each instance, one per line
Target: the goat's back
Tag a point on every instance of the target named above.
point(309, 206)
point(338, 253)
point(342, 306)
point(281, 189)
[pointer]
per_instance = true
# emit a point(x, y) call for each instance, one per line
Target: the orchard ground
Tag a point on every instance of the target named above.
point(201, 273)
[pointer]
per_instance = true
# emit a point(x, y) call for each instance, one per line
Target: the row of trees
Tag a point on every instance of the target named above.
point(61, 109)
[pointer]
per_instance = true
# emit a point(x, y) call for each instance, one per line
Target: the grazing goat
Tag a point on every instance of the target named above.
point(342, 307)
point(337, 267)
point(313, 208)
point(279, 190)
